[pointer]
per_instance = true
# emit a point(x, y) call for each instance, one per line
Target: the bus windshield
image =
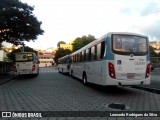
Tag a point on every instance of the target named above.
point(129, 44)
point(24, 57)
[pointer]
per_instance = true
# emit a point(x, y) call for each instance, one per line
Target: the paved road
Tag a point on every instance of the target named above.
point(155, 81)
point(51, 91)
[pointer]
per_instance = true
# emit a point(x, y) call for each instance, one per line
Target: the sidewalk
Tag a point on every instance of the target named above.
point(6, 77)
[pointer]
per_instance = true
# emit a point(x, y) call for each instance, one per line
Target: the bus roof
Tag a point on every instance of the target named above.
point(64, 57)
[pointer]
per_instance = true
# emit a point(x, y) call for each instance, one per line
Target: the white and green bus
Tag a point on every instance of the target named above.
point(26, 63)
point(64, 64)
point(117, 58)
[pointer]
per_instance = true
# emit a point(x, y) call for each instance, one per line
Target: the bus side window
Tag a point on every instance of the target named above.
point(95, 56)
point(87, 54)
point(102, 49)
point(80, 56)
point(98, 51)
point(84, 55)
point(75, 58)
point(72, 59)
point(93, 53)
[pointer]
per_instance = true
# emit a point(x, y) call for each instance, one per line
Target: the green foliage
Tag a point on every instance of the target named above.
point(81, 42)
point(60, 42)
point(17, 22)
point(1, 46)
point(26, 49)
point(60, 53)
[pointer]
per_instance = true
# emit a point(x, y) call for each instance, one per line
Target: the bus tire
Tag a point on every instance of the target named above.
point(84, 79)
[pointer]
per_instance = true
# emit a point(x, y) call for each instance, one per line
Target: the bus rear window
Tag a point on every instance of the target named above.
point(129, 44)
point(23, 57)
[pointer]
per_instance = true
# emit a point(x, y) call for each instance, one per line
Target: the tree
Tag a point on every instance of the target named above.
point(26, 48)
point(1, 46)
point(152, 52)
point(60, 42)
point(17, 22)
point(60, 53)
point(81, 42)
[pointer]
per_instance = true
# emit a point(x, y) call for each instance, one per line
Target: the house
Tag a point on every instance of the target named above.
point(67, 46)
point(46, 60)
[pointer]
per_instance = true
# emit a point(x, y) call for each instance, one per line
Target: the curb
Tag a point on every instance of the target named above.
point(7, 80)
point(153, 90)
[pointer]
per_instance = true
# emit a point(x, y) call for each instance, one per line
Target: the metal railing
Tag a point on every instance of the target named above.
point(155, 61)
point(5, 67)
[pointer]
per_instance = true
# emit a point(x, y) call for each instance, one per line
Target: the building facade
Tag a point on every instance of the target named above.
point(46, 60)
point(67, 46)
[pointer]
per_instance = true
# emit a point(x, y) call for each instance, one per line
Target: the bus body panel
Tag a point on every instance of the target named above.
point(127, 67)
point(26, 68)
point(94, 71)
point(63, 68)
point(127, 81)
point(99, 74)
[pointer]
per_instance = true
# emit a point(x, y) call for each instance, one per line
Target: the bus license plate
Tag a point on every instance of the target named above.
point(130, 76)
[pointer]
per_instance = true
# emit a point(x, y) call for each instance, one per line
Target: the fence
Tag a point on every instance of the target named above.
point(155, 61)
point(5, 66)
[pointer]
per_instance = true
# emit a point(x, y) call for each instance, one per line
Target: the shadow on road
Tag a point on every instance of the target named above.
point(26, 77)
point(111, 90)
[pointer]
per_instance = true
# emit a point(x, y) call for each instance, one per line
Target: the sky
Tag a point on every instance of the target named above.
point(65, 20)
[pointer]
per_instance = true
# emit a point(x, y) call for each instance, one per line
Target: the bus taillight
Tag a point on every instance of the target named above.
point(111, 70)
point(148, 71)
point(33, 68)
point(14, 68)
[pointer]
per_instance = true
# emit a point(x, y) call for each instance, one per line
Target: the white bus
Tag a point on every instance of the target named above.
point(118, 59)
point(26, 63)
point(64, 64)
